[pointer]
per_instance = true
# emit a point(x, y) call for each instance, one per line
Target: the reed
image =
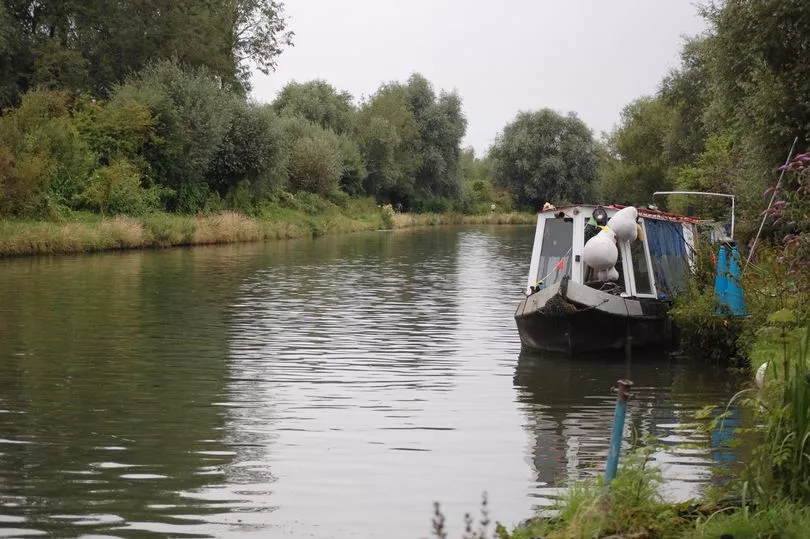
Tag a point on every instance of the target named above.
point(87, 233)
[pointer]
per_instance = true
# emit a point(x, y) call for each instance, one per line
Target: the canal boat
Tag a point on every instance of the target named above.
point(570, 306)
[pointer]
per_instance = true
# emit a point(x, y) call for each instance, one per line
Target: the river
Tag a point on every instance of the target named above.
point(334, 388)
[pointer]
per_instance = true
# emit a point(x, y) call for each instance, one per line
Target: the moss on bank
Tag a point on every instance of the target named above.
point(86, 232)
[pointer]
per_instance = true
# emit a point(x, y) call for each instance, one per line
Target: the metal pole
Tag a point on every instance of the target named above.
point(618, 429)
point(773, 197)
point(732, 218)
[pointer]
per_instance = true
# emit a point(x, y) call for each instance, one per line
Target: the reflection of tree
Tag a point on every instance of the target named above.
point(112, 361)
point(370, 301)
point(570, 405)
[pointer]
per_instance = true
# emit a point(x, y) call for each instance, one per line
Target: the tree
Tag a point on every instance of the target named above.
point(543, 157)
point(637, 165)
point(320, 103)
point(442, 126)
point(411, 140)
point(259, 34)
point(315, 164)
point(44, 163)
point(686, 92)
point(192, 116)
point(252, 150)
point(757, 58)
point(390, 140)
point(91, 46)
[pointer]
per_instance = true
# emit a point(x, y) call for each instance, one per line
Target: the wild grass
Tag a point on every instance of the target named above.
point(782, 520)
point(412, 220)
point(305, 217)
point(630, 507)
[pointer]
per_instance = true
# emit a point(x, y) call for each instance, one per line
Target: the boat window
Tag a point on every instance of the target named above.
point(641, 272)
point(555, 254)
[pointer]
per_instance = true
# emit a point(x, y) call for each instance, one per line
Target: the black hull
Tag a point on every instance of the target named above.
point(593, 325)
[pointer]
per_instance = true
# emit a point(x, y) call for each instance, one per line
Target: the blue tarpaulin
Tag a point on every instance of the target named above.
point(668, 254)
point(727, 289)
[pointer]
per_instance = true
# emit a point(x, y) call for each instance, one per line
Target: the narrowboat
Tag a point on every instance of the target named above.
point(571, 306)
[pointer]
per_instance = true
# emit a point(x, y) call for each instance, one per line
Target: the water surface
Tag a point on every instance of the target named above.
point(326, 388)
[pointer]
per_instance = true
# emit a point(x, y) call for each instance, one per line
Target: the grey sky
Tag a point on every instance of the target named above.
point(587, 56)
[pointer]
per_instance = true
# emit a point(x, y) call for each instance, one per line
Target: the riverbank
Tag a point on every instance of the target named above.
point(88, 233)
point(767, 494)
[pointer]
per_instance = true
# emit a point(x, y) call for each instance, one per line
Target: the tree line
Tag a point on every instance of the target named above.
point(140, 105)
point(725, 119)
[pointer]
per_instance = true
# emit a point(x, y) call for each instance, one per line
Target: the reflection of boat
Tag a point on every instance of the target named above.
point(572, 308)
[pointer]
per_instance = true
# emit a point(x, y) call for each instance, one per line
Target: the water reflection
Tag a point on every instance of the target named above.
point(110, 365)
point(570, 404)
point(318, 388)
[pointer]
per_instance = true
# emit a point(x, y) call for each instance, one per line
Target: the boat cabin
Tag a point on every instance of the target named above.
point(654, 266)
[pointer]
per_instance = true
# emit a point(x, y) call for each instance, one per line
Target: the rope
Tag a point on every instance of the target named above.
point(543, 280)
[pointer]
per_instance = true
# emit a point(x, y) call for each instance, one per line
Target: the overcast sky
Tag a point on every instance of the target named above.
point(587, 56)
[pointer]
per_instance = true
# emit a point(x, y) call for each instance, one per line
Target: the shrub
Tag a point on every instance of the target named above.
point(192, 114)
point(116, 189)
point(315, 165)
point(704, 332)
point(253, 150)
point(44, 160)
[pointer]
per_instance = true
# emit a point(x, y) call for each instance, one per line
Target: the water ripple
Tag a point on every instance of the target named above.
point(327, 388)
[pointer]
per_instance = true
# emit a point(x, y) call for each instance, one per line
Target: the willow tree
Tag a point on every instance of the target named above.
point(544, 156)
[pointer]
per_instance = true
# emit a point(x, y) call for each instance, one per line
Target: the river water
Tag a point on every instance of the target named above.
point(319, 388)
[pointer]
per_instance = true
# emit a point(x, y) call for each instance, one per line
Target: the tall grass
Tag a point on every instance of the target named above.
point(305, 217)
point(411, 220)
point(781, 467)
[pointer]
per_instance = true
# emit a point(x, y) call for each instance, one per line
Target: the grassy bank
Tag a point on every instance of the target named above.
point(80, 233)
point(633, 508)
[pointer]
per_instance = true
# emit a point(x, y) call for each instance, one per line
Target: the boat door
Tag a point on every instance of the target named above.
point(637, 266)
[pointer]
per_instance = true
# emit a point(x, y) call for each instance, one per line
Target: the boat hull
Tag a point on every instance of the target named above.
point(571, 317)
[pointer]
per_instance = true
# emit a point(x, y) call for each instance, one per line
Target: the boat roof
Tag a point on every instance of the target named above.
point(649, 213)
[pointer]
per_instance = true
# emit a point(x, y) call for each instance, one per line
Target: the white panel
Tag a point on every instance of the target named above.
point(690, 245)
point(576, 247)
point(534, 267)
point(627, 269)
point(648, 260)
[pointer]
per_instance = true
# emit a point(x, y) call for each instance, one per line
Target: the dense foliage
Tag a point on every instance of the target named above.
point(139, 105)
point(91, 46)
point(96, 117)
point(725, 119)
point(180, 141)
point(545, 157)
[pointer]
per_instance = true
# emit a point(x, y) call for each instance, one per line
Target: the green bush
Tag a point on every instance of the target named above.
point(45, 161)
point(253, 150)
point(192, 115)
point(315, 165)
point(704, 331)
point(116, 189)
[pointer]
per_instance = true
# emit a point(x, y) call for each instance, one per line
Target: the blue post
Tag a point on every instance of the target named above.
point(618, 430)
